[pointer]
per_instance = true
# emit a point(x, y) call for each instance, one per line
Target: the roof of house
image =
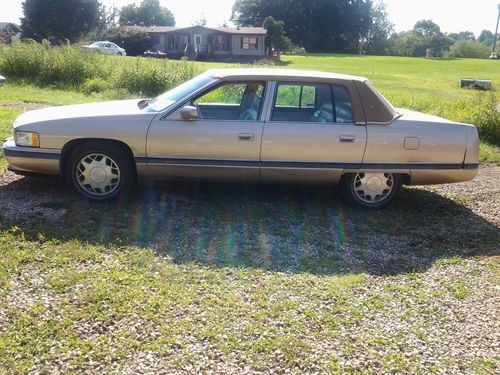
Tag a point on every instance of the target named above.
point(230, 30)
point(13, 26)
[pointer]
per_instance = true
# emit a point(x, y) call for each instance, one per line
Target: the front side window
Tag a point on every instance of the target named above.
point(249, 43)
point(312, 102)
point(231, 101)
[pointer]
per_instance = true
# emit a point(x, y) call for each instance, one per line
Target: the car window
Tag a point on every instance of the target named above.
point(172, 96)
point(292, 95)
point(343, 107)
point(231, 101)
point(312, 102)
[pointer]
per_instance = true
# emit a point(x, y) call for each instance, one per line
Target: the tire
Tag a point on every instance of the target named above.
point(119, 54)
point(99, 172)
point(369, 190)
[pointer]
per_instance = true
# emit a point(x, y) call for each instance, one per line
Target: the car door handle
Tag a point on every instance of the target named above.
point(246, 137)
point(347, 138)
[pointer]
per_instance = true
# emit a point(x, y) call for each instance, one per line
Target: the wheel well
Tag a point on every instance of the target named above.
point(71, 145)
point(405, 177)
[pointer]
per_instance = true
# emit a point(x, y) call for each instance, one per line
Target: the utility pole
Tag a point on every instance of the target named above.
point(496, 32)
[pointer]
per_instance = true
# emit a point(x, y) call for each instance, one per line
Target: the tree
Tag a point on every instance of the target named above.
point(487, 38)
point(316, 25)
point(462, 35)
point(433, 39)
point(148, 13)
point(469, 49)
point(202, 21)
point(376, 41)
point(60, 19)
point(276, 36)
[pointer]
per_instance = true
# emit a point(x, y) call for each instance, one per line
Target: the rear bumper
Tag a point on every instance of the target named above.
point(444, 176)
point(25, 160)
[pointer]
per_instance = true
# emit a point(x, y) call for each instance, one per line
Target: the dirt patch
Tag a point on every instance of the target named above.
point(25, 106)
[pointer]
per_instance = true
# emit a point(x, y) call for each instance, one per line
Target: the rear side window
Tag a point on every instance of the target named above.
point(312, 102)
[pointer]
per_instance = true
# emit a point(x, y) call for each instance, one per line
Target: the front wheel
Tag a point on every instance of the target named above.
point(370, 190)
point(99, 171)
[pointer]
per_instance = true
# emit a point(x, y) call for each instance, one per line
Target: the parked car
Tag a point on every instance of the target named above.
point(107, 47)
point(2, 80)
point(266, 125)
point(156, 54)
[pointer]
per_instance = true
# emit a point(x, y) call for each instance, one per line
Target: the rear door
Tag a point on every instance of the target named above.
point(311, 133)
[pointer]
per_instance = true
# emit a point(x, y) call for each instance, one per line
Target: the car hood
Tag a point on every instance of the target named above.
point(117, 108)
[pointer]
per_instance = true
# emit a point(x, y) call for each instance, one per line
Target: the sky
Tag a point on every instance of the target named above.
point(450, 15)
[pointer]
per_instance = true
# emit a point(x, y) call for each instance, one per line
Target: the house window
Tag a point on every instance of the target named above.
point(221, 43)
point(250, 43)
point(178, 42)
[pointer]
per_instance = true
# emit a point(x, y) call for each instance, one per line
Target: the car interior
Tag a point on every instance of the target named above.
point(312, 103)
point(231, 101)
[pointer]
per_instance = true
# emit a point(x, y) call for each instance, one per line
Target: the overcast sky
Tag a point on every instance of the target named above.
point(450, 15)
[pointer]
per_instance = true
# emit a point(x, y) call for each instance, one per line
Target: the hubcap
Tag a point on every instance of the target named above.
point(97, 174)
point(373, 188)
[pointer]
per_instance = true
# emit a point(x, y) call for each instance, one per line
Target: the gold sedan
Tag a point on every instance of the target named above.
point(264, 125)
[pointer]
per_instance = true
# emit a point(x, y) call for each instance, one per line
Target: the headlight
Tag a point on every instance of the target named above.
point(27, 139)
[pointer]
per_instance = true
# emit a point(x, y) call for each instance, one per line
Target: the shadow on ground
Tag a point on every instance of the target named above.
point(277, 228)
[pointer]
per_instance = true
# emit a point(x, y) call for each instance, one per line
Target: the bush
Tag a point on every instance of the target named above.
point(469, 49)
point(95, 85)
point(479, 110)
point(90, 71)
point(150, 78)
point(46, 65)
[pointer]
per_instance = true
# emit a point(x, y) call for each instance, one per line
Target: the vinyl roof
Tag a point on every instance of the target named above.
point(280, 73)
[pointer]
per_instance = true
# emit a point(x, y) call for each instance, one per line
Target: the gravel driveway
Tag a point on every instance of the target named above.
point(430, 262)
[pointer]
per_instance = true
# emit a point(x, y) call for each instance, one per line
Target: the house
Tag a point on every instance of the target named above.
point(242, 44)
point(7, 31)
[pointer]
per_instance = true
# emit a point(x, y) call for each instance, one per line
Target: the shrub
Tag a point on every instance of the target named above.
point(95, 85)
point(45, 65)
point(469, 49)
point(153, 77)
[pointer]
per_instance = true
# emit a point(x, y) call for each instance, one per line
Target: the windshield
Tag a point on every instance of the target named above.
point(177, 93)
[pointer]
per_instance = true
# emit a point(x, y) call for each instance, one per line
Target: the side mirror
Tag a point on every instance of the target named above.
point(189, 112)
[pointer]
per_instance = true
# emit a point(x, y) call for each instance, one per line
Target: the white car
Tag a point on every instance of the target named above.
point(107, 47)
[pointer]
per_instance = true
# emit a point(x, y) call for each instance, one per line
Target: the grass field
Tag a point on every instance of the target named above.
point(188, 278)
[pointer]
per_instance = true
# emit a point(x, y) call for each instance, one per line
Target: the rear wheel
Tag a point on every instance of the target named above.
point(119, 54)
point(99, 171)
point(370, 190)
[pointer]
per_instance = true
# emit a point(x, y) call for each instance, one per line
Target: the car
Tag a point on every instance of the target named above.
point(156, 54)
point(252, 125)
point(106, 47)
point(2, 80)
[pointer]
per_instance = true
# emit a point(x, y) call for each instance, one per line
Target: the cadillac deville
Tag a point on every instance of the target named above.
point(254, 125)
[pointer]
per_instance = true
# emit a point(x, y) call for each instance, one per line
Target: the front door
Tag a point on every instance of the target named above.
point(311, 135)
point(197, 43)
point(223, 142)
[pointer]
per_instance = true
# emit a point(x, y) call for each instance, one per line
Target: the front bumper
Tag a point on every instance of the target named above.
point(31, 160)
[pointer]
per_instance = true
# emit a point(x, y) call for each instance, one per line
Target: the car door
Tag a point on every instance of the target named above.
point(221, 142)
point(311, 134)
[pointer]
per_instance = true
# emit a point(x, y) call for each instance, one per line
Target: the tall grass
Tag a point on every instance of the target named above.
point(87, 71)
